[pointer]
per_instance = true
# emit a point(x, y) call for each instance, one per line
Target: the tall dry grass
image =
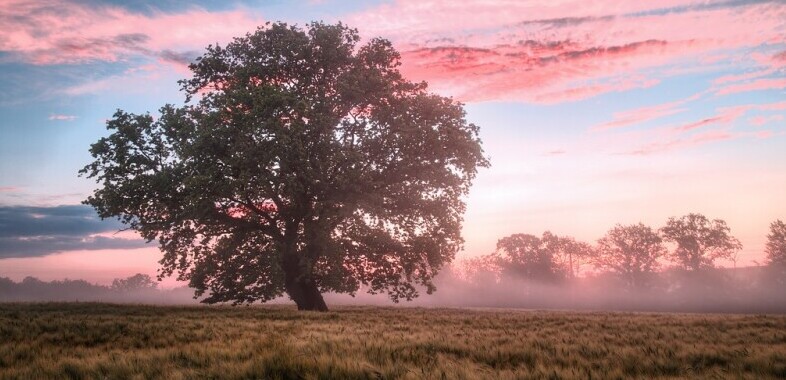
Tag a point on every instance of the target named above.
point(103, 341)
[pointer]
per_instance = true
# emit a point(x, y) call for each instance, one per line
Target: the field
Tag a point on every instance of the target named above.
point(104, 341)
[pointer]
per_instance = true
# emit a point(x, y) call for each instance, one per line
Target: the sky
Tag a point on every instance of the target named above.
point(592, 113)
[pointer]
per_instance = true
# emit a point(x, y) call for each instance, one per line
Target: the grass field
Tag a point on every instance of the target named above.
point(103, 341)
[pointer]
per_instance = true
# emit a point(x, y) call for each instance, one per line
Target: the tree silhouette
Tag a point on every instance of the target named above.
point(136, 282)
point(571, 254)
point(699, 241)
point(535, 258)
point(632, 252)
point(481, 269)
point(308, 165)
point(776, 244)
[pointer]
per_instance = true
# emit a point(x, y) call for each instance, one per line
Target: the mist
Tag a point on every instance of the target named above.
point(757, 289)
point(721, 290)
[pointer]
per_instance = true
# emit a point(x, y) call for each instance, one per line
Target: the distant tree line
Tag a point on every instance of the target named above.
point(631, 267)
point(136, 288)
point(634, 254)
point(137, 282)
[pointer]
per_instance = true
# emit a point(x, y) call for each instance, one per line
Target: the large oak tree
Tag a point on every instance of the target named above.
point(307, 165)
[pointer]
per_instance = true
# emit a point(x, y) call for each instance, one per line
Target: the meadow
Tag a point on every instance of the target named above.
point(108, 341)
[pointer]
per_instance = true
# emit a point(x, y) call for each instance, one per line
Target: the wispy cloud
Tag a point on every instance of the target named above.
point(724, 116)
point(757, 85)
point(758, 121)
point(62, 117)
point(723, 125)
point(684, 142)
point(780, 58)
point(641, 115)
point(541, 72)
point(569, 51)
point(744, 76)
point(648, 113)
point(56, 32)
point(701, 123)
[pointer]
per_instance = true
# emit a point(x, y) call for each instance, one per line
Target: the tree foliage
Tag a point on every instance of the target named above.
point(546, 258)
point(776, 244)
point(308, 165)
point(699, 241)
point(632, 252)
point(481, 269)
point(136, 282)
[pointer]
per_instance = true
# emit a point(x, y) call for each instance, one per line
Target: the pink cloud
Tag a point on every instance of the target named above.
point(726, 115)
point(743, 77)
point(758, 85)
point(778, 106)
point(571, 50)
point(701, 123)
point(539, 72)
point(683, 143)
point(583, 92)
point(640, 115)
point(62, 117)
point(643, 114)
point(9, 189)
point(684, 136)
point(412, 17)
point(714, 59)
point(764, 134)
point(761, 120)
point(743, 108)
point(53, 32)
point(780, 58)
point(774, 61)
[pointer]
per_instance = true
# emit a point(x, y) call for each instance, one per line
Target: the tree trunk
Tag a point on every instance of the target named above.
point(300, 286)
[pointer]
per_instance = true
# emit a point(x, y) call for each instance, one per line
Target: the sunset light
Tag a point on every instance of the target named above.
point(605, 155)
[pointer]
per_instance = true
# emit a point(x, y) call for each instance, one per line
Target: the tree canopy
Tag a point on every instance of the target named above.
point(546, 258)
point(136, 282)
point(699, 241)
point(308, 164)
point(631, 251)
point(776, 244)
